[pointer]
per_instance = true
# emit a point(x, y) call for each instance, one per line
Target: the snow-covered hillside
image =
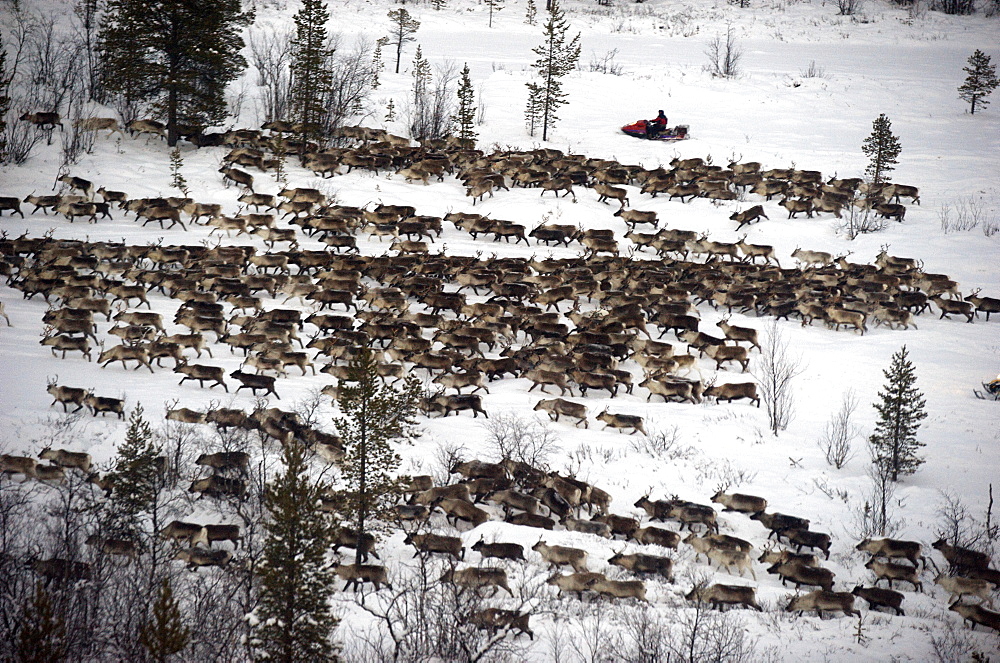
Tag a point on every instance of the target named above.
point(904, 63)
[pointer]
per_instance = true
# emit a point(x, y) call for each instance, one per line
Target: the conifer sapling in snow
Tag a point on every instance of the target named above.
point(465, 117)
point(882, 148)
point(900, 409)
point(164, 633)
point(980, 82)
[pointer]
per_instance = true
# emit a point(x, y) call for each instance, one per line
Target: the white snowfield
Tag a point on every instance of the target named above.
point(906, 64)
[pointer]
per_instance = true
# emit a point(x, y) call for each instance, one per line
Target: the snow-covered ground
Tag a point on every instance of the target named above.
point(902, 63)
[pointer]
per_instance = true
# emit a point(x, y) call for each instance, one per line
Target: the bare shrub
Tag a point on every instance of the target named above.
point(959, 527)
point(424, 618)
point(875, 515)
point(848, 7)
point(446, 455)
point(605, 64)
point(352, 78)
point(270, 54)
point(775, 371)
point(840, 432)
point(954, 644)
point(663, 444)
point(512, 436)
point(723, 473)
point(861, 221)
point(725, 55)
point(813, 71)
point(431, 109)
point(702, 634)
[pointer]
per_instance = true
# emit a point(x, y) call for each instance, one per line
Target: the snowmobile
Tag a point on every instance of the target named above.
point(991, 391)
point(638, 129)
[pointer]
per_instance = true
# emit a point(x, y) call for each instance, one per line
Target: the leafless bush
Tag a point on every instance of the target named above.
point(848, 7)
point(875, 515)
point(954, 644)
point(861, 221)
point(595, 633)
point(723, 473)
point(76, 142)
point(605, 64)
point(645, 636)
point(959, 527)
point(270, 55)
point(512, 436)
point(351, 82)
point(840, 432)
point(967, 214)
point(725, 55)
point(663, 444)
point(446, 455)
point(423, 618)
point(19, 138)
point(813, 71)
point(53, 63)
point(775, 371)
point(430, 111)
point(702, 634)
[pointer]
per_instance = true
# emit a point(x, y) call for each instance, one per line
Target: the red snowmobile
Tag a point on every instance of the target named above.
point(638, 129)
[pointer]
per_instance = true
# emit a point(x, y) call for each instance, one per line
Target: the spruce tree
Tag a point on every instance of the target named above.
point(177, 55)
point(531, 13)
point(494, 6)
point(296, 577)
point(377, 65)
point(136, 480)
point(882, 148)
point(980, 82)
point(403, 28)
point(312, 79)
point(901, 409)
point(465, 116)
point(164, 633)
point(42, 638)
point(556, 58)
point(373, 416)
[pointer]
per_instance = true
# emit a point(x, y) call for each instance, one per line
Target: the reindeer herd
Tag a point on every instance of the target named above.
point(466, 322)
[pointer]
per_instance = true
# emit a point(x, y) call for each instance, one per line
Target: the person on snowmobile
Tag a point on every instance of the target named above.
point(656, 126)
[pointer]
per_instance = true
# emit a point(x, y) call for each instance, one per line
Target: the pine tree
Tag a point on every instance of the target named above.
point(556, 58)
point(403, 28)
point(390, 111)
point(533, 109)
point(901, 409)
point(177, 54)
point(42, 638)
point(377, 64)
point(531, 15)
point(136, 480)
point(374, 415)
point(164, 634)
point(980, 82)
point(312, 79)
point(177, 178)
point(883, 148)
point(295, 578)
point(465, 117)
point(495, 6)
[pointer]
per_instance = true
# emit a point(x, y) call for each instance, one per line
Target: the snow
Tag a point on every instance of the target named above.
point(907, 65)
